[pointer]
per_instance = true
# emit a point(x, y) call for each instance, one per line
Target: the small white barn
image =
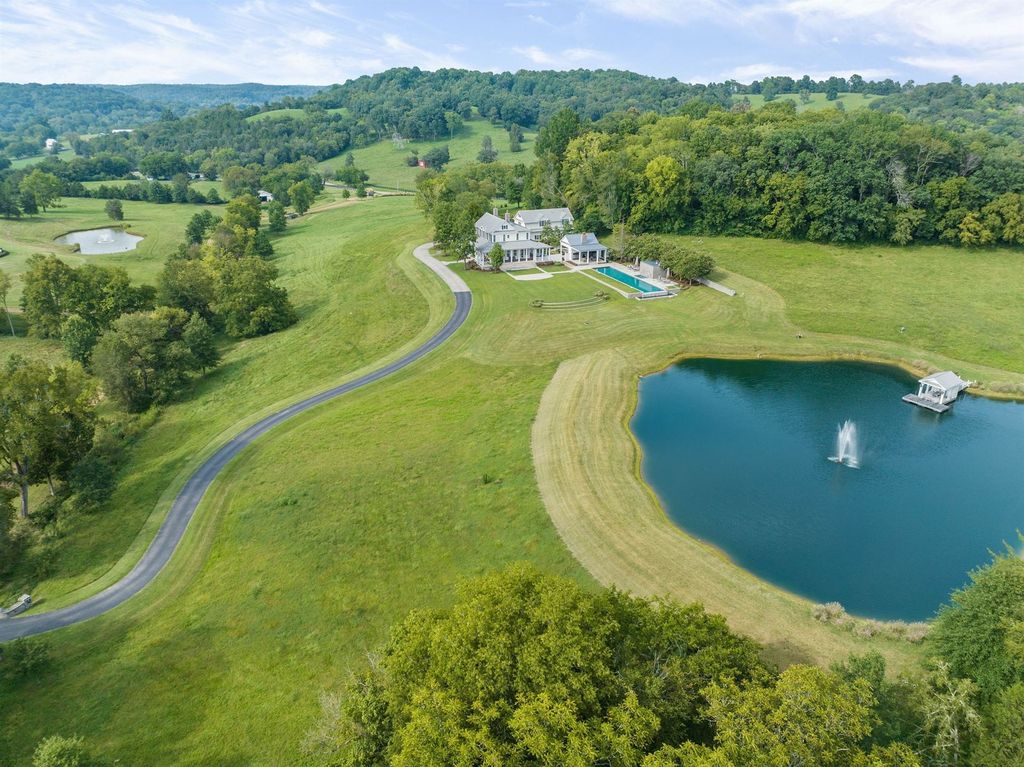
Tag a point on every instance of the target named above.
point(51, 144)
point(265, 196)
point(938, 391)
point(583, 248)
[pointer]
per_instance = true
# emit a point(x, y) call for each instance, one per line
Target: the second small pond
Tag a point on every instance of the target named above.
point(95, 242)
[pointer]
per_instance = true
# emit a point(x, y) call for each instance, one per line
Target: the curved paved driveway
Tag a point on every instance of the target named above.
point(173, 528)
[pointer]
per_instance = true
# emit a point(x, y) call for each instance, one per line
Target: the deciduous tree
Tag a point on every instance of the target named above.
point(114, 210)
point(302, 196)
point(5, 287)
point(42, 188)
point(47, 421)
point(276, 218)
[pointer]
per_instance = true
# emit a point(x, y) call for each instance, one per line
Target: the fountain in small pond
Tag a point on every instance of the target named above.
point(847, 449)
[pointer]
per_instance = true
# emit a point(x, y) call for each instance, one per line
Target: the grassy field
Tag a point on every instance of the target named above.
point(163, 227)
point(199, 186)
point(386, 163)
point(24, 162)
point(818, 101)
point(321, 535)
point(296, 114)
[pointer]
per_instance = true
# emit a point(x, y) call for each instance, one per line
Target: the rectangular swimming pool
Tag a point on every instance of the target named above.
point(628, 279)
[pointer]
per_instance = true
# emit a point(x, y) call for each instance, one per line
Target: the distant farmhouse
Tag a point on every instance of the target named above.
point(518, 239)
point(265, 196)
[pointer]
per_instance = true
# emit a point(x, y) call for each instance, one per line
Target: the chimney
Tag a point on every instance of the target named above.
point(495, 212)
point(507, 216)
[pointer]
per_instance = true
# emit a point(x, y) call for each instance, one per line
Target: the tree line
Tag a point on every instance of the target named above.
point(34, 112)
point(529, 669)
point(824, 176)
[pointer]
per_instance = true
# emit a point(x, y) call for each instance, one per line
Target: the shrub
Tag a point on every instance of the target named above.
point(26, 656)
point(58, 751)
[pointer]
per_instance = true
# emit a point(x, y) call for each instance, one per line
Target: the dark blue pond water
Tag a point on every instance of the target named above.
point(737, 452)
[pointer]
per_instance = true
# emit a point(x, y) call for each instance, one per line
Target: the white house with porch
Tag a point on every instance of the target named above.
point(583, 248)
point(521, 251)
point(938, 391)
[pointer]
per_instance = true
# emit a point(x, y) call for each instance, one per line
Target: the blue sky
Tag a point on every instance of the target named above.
point(326, 41)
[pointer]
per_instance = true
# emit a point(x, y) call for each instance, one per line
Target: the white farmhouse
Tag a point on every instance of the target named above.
point(521, 251)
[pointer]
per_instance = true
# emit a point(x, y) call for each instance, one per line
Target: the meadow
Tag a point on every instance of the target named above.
point(163, 227)
point(319, 537)
point(24, 162)
point(386, 166)
point(817, 100)
point(295, 114)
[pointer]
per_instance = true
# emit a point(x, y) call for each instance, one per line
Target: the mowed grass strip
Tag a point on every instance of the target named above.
point(587, 468)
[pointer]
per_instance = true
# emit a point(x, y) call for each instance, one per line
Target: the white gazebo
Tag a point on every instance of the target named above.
point(936, 392)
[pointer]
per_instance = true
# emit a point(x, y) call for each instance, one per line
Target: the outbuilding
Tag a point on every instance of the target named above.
point(583, 248)
point(938, 391)
point(652, 269)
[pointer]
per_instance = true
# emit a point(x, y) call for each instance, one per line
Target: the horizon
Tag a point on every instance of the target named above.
point(320, 42)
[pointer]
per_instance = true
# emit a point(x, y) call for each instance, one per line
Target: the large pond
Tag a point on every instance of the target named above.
point(94, 242)
point(738, 453)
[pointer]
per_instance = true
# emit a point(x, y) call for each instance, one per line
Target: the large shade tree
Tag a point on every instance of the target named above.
point(47, 420)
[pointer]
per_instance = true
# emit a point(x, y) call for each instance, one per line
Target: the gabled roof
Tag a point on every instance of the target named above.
point(947, 381)
point(582, 240)
point(490, 223)
point(540, 215)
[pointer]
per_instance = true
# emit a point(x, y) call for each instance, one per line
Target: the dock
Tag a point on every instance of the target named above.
point(935, 407)
point(938, 392)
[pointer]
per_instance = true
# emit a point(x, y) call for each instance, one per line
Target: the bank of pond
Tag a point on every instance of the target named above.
point(738, 452)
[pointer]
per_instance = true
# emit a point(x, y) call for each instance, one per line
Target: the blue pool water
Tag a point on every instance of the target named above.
point(737, 451)
point(628, 279)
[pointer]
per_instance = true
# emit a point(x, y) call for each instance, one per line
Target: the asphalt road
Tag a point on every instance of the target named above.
point(173, 528)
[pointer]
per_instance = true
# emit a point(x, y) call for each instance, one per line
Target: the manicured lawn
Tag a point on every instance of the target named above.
point(338, 523)
point(963, 303)
point(818, 101)
point(386, 164)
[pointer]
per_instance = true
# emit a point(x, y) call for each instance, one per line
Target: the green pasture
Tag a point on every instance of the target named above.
point(328, 530)
point(385, 161)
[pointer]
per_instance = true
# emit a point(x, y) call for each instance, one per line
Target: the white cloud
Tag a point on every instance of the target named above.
point(983, 38)
point(671, 11)
point(410, 54)
point(272, 41)
point(562, 58)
